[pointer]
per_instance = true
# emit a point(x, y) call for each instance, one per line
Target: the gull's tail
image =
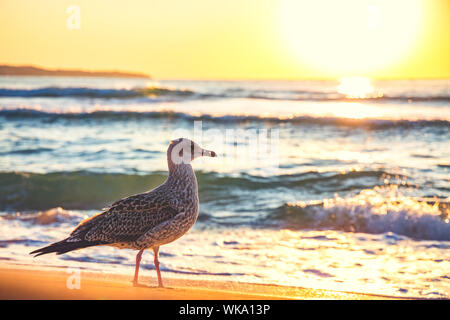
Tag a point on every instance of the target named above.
point(64, 246)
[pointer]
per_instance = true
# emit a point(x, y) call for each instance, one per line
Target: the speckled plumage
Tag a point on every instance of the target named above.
point(145, 220)
point(148, 219)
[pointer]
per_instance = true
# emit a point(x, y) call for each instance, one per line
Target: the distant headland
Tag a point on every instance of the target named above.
point(35, 71)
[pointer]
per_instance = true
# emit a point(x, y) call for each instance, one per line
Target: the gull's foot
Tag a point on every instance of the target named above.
point(163, 287)
point(141, 285)
point(137, 284)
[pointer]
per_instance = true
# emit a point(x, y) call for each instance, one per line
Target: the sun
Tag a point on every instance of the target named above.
point(350, 36)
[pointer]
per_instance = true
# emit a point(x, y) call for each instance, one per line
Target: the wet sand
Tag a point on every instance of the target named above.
point(26, 283)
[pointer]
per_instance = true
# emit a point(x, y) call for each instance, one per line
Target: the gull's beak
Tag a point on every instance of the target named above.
point(208, 153)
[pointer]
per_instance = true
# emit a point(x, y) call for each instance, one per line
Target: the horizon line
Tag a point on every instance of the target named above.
point(140, 74)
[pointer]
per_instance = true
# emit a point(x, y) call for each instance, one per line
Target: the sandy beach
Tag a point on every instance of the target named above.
point(40, 284)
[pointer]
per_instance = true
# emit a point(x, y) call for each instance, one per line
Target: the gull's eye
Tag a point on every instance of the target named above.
point(176, 141)
point(192, 147)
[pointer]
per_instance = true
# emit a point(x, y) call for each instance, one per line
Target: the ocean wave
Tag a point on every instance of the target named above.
point(312, 96)
point(50, 216)
point(132, 115)
point(83, 92)
point(245, 93)
point(26, 151)
point(375, 211)
point(73, 190)
point(94, 190)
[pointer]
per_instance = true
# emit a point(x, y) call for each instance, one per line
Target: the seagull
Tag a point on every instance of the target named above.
point(146, 220)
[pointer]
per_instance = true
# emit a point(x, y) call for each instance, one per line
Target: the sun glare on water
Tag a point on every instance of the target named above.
point(356, 87)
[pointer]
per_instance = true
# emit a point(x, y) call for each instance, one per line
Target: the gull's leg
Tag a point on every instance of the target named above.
point(156, 261)
point(136, 271)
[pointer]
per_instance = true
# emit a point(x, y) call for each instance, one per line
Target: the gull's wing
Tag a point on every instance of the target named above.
point(126, 220)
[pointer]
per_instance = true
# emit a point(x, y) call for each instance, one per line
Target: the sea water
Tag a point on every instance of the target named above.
point(355, 196)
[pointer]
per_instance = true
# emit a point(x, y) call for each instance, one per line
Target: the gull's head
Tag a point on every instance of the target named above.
point(183, 150)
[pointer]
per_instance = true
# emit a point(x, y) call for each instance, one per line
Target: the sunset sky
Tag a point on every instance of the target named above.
point(234, 39)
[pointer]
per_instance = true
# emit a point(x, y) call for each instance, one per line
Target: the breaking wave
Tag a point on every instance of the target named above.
point(375, 211)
